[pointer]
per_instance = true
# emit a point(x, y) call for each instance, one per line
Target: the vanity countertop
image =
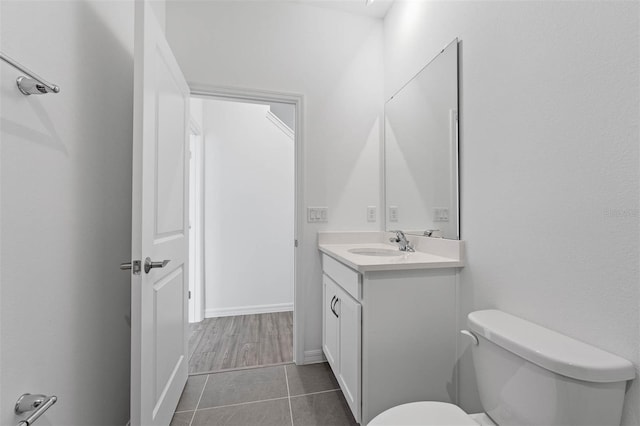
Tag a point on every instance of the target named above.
point(430, 253)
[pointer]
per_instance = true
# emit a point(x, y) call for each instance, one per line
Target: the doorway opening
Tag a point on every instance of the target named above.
point(243, 230)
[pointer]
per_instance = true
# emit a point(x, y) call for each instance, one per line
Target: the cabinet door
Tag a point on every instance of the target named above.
point(330, 325)
point(350, 315)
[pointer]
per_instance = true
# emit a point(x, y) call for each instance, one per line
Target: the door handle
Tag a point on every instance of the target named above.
point(149, 265)
point(333, 306)
point(36, 403)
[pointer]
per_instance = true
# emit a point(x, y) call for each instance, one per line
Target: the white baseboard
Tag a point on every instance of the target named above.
point(248, 310)
point(313, 357)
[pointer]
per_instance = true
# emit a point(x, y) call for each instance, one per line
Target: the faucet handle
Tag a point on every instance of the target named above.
point(430, 232)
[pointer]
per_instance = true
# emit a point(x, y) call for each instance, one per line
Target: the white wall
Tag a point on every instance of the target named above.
point(196, 112)
point(66, 210)
point(159, 7)
point(285, 113)
point(335, 60)
point(249, 210)
point(549, 149)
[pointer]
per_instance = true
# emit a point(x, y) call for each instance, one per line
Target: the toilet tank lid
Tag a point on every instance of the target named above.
point(549, 349)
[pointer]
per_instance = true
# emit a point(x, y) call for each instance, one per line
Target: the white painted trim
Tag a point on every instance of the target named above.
point(314, 357)
point(241, 93)
point(456, 370)
point(198, 227)
point(200, 291)
point(194, 127)
point(297, 100)
point(382, 216)
point(280, 124)
point(298, 297)
point(193, 229)
point(248, 310)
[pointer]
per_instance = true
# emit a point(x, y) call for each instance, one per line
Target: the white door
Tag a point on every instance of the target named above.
point(160, 225)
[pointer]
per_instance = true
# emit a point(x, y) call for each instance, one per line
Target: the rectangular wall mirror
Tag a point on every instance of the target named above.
point(421, 151)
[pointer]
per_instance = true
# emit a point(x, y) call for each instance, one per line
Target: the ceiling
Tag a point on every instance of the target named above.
point(377, 9)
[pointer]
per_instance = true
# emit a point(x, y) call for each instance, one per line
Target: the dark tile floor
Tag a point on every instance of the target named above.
point(284, 395)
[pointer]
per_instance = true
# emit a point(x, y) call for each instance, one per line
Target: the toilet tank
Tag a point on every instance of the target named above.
point(530, 375)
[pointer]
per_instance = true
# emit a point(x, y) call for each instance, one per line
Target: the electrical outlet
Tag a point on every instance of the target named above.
point(323, 214)
point(371, 213)
point(440, 214)
point(393, 213)
point(317, 214)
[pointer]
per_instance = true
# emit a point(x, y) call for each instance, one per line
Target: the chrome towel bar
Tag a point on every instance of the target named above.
point(35, 85)
point(39, 403)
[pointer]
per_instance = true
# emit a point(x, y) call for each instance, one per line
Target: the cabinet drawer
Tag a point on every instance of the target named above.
point(344, 276)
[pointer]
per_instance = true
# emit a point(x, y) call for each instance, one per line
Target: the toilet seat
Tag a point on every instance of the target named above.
point(423, 413)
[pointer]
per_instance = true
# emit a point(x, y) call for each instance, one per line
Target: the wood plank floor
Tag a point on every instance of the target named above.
point(228, 343)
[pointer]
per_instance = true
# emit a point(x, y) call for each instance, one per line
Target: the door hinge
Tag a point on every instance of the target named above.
point(189, 294)
point(295, 243)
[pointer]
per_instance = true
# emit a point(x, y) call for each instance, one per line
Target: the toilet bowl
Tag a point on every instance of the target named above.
point(427, 413)
point(517, 362)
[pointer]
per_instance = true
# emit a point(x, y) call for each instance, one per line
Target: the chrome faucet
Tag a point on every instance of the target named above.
point(430, 232)
point(402, 241)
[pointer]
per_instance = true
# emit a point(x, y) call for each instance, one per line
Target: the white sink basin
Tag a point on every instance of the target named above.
point(376, 252)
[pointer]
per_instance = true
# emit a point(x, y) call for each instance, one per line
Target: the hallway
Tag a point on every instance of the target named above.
point(228, 343)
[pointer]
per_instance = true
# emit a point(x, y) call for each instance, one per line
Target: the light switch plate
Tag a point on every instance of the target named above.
point(317, 214)
point(393, 213)
point(441, 214)
point(371, 213)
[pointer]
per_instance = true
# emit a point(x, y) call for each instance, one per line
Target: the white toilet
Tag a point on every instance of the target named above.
point(528, 375)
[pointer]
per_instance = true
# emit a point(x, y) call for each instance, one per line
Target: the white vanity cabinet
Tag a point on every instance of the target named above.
point(341, 342)
point(389, 335)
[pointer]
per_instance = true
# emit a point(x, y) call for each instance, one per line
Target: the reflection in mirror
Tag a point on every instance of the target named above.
point(421, 150)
